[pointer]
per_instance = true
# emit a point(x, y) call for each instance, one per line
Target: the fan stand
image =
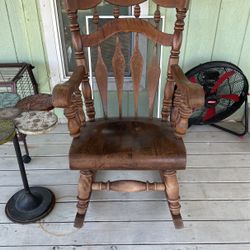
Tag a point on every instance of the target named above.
point(235, 128)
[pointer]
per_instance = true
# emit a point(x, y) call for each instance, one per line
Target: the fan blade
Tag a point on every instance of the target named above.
point(232, 97)
point(209, 114)
point(224, 77)
point(193, 79)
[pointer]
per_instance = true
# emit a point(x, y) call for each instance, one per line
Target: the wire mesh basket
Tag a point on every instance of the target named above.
point(19, 78)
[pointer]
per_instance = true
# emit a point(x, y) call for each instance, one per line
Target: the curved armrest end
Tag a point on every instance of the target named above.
point(196, 96)
point(194, 93)
point(62, 93)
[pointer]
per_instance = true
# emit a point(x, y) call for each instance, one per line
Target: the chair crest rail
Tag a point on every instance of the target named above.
point(81, 4)
point(125, 3)
point(179, 4)
point(89, 4)
point(126, 25)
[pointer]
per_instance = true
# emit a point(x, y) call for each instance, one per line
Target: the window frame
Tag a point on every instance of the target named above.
point(50, 25)
point(53, 40)
point(128, 84)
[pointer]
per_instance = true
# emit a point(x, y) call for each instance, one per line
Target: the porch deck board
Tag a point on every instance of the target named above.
point(215, 198)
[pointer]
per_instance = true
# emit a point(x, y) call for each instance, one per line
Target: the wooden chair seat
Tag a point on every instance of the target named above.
point(127, 143)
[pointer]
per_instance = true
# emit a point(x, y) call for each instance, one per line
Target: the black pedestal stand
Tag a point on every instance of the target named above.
point(26, 157)
point(29, 204)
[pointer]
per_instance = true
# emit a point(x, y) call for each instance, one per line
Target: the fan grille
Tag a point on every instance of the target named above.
point(225, 89)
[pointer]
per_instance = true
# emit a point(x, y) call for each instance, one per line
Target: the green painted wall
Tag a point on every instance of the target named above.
point(21, 37)
point(215, 30)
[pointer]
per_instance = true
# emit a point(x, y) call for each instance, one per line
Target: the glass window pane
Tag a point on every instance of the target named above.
point(107, 46)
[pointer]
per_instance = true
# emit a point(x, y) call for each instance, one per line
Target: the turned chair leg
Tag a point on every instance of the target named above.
point(172, 194)
point(84, 192)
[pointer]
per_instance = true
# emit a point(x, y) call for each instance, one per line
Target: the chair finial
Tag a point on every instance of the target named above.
point(137, 11)
point(116, 11)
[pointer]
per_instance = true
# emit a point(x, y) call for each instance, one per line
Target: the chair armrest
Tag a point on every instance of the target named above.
point(62, 93)
point(187, 98)
point(68, 96)
point(193, 94)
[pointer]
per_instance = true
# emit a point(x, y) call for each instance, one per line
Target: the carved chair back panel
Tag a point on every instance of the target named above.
point(113, 28)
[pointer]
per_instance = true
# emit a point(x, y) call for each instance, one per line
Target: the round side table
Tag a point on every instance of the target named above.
point(31, 203)
point(41, 102)
point(35, 122)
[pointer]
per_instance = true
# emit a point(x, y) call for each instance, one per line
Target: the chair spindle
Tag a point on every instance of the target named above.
point(118, 64)
point(136, 64)
point(74, 125)
point(101, 72)
point(137, 11)
point(153, 76)
point(136, 67)
point(80, 61)
point(174, 59)
point(79, 108)
point(88, 100)
point(154, 69)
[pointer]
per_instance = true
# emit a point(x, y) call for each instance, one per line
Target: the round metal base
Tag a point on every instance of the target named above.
point(26, 207)
point(26, 159)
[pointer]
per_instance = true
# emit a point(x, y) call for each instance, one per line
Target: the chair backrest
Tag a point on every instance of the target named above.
point(113, 28)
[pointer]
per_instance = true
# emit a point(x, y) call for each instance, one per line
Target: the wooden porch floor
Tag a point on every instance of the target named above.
point(215, 198)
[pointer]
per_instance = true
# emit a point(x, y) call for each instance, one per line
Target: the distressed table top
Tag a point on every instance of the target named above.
point(7, 131)
point(41, 102)
point(36, 122)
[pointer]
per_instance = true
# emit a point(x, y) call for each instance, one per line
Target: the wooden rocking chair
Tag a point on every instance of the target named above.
point(127, 143)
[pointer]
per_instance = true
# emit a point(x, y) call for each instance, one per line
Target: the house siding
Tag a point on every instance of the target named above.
point(215, 30)
point(21, 38)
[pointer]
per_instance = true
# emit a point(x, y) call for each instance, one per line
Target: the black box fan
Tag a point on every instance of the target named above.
point(226, 90)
